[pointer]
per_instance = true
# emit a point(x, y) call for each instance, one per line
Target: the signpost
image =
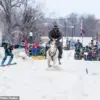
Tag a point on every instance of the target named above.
point(30, 37)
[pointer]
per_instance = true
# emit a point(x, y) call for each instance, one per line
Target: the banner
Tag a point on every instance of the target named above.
point(82, 29)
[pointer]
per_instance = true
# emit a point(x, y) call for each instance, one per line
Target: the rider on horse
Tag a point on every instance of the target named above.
point(57, 35)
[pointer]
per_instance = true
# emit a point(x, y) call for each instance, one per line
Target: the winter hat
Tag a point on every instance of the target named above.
point(8, 41)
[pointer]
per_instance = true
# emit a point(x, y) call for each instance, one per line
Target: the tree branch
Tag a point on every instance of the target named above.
point(18, 3)
point(2, 6)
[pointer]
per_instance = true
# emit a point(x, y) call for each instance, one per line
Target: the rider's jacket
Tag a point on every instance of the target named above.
point(55, 34)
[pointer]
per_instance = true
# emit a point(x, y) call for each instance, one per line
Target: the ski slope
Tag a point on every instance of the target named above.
point(32, 80)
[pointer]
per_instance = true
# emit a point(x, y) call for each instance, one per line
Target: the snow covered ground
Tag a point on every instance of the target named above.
point(32, 80)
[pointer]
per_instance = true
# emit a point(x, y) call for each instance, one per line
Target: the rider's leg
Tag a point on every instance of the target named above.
point(60, 52)
point(60, 49)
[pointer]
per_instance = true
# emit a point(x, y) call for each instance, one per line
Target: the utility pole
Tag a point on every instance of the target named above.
point(65, 24)
point(72, 27)
point(74, 30)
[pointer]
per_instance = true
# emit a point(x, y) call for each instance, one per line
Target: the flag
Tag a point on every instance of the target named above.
point(82, 29)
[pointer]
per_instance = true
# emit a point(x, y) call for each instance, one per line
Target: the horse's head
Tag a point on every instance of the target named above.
point(53, 47)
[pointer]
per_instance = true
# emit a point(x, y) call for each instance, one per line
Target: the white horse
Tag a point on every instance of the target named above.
point(52, 54)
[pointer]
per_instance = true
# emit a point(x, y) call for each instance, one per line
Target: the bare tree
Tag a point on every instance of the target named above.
point(90, 25)
point(72, 19)
point(7, 6)
point(32, 20)
point(63, 25)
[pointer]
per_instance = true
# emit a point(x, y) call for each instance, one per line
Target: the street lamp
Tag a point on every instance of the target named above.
point(65, 24)
point(72, 27)
point(30, 37)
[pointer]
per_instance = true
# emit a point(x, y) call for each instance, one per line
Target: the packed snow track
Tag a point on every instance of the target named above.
point(33, 80)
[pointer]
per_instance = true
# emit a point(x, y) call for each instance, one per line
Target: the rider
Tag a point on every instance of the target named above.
point(8, 52)
point(57, 35)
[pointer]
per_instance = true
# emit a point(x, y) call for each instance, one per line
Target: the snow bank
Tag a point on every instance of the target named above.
point(1, 52)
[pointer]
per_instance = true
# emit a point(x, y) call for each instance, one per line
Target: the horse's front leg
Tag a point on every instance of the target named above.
point(49, 63)
point(54, 63)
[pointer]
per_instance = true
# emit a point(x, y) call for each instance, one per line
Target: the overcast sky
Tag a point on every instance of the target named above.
point(64, 7)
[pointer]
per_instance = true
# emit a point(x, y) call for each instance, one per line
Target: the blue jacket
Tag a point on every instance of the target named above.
point(79, 45)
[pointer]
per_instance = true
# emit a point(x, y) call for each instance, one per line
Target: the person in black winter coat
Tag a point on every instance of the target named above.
point(57, 35)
